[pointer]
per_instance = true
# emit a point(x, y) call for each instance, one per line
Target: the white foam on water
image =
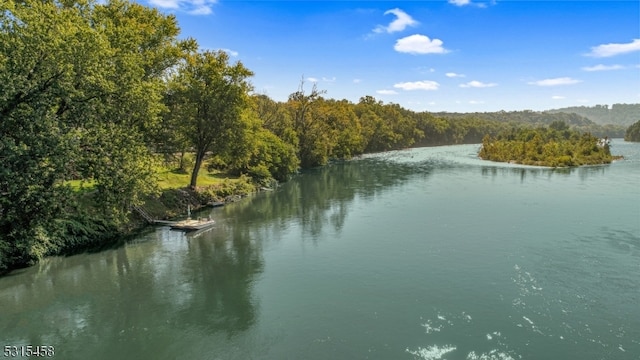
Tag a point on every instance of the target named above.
point(466, 317)
point(432, 352)
point(528, 320)
point(429, 328)
point(621, 348)
point(491, 355)
point(489, 337)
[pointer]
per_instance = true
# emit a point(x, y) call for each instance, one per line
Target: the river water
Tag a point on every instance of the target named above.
point(425, 253)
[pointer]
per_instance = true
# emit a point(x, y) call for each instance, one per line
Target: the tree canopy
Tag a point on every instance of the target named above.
point(207, 96)
point(633, 132)
point(555, 146)
point(79, 91)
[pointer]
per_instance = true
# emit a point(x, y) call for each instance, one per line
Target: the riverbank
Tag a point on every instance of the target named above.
point(85, 229)
point(173, 203)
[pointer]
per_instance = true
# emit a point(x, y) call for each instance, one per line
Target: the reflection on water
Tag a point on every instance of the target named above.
point(524, 172)
point(414, 253)
point(137, 296)
point(319, 197)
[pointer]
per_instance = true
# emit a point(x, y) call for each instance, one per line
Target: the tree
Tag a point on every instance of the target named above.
point(79, 90)
point(260, 153)
point(633, 132)
point(313, 141)
point(276, 118)
point(343, 126)
point(559, 125)
point(207, 96)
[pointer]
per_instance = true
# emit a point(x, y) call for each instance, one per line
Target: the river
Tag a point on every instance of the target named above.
point(426, 253)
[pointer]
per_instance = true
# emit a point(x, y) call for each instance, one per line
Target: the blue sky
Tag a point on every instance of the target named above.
point(457, 56)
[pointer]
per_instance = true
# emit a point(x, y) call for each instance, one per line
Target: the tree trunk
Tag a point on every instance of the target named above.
point(181, 165)
point(196, 169)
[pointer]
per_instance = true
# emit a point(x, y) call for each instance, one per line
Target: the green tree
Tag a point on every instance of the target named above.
point(262, 154)
point(343, 126)
point(633, 132)
point(207, 97)
point(79, 87)
point(314, 144)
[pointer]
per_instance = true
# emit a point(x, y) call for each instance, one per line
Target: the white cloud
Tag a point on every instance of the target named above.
point(201, 10)
point(601, 67)
point(453, 75)
point(418, 85)
point(400, 23)
point(607, 50)
point(476, 102)
point(477, 84)
point(357, 81)
point(386, 92)
point(167, 4)
point(460, 2)
point(323, 79)
point(419, 44)
point(557, 97)
point(193, 7)
point(231, 52)
point(425, 70)
point(468, 2)
point(555, 82)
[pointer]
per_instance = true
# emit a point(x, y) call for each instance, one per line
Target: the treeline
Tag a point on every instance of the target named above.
point(554, 146)
point(96, 92)
point(576, 121)
point(618, 114)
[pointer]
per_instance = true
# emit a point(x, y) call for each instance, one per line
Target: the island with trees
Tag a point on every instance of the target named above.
point(552, 146)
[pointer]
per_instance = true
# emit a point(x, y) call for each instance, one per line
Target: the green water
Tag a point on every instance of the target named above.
point(417, 254)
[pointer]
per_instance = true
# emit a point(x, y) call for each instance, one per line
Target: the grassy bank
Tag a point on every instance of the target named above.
point(85, 228)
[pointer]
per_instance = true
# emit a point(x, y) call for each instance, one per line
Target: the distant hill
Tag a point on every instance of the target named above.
point(543, 118)
point(537, 118)
point(618, 114)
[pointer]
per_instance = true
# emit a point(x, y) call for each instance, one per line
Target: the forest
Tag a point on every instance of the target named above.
point(633, 132)
point(553, 146)
point(96, 97)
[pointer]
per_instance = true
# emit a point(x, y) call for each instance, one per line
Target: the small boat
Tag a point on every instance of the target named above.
point(190, 224)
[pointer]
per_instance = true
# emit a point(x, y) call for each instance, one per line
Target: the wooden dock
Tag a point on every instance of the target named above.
point(190, 224)
point(186, 225)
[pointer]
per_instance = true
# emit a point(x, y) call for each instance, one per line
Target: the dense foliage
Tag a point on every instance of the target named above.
point(80, 90)
point(554, 146)
point(633, 132)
